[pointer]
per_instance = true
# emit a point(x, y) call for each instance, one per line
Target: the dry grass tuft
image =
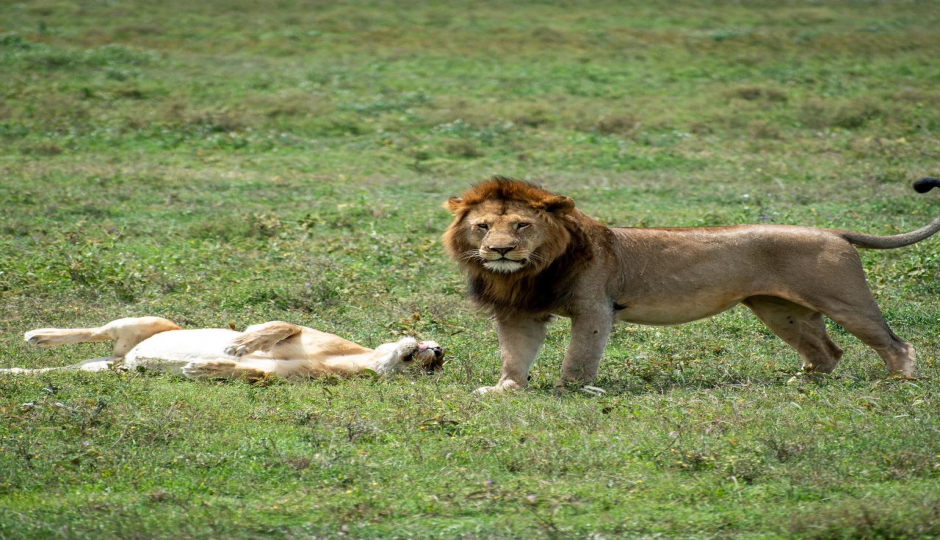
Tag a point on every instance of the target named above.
point(616, 124)
point(462, 148)
point(819, 114)
point(45, 148)
point(291, 104)
point(534, 115)
point(764, 130)
point(755, 93)
point(869, 520)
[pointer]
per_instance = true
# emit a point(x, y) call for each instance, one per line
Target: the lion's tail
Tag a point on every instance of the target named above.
point(871, 241)
point(26, 371)
point(95, 364)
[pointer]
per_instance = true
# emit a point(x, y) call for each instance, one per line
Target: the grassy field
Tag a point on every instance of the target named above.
point(236, 162)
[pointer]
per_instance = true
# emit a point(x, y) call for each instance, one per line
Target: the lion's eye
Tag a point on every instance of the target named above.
point(520, 226)
point(482, 227)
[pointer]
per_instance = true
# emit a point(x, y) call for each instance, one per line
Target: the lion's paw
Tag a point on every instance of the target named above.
point(406, 347)
point(247, 344)
point(43, 337)
point(236, 350)
point(902, 375)
point(501, 386)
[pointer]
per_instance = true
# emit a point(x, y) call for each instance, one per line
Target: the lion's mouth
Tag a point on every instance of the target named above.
point(504, 265)
point(432, 356)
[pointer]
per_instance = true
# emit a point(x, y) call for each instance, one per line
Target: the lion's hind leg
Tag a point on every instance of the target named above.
point(848, 301)
point(800, 327)
point(867, 324)
point(126, 333)
point(52, 337)
point(262, 337)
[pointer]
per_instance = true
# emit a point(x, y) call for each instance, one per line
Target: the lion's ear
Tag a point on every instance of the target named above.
point(556, 204)
point(453, 204)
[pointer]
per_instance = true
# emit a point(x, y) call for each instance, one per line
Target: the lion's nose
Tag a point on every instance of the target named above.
point(502, 250)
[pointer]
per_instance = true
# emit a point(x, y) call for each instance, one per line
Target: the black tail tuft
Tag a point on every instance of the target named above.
point(926, 184)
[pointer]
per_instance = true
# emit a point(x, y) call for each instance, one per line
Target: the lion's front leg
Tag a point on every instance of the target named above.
point(589, 333)
point(223, 369)
point(262, 337)
point(520, 339)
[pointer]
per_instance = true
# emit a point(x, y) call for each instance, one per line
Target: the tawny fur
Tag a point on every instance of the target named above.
point(271, 349)
point(529, 254)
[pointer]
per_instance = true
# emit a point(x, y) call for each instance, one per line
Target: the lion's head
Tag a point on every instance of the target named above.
point(504, 226)
point(429, 355)
point(506, 232)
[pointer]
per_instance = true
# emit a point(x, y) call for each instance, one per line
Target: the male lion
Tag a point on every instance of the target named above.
point(530, 254)
point(271, 349)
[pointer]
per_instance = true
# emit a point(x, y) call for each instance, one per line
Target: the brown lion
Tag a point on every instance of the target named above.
point(529, 254)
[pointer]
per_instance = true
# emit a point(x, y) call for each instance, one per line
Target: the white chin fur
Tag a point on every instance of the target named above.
point(502, 266)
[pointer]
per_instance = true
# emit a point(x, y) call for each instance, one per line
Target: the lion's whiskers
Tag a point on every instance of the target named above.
point(472, 254)
point(536, 258)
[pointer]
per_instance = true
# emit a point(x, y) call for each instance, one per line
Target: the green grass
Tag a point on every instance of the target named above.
point(236, 162)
